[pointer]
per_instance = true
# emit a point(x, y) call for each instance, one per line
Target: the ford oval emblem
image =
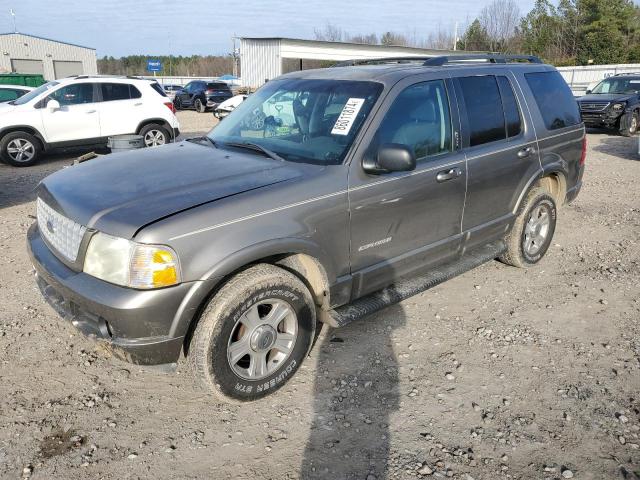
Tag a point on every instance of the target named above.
point(50, 227)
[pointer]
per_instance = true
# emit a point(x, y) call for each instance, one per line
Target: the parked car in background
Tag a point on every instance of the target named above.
point(84, 111)
point(614, 103)
point(228, 106)
point(12, 92)
point(171, 90)
point(201, 95)
point(384, 181)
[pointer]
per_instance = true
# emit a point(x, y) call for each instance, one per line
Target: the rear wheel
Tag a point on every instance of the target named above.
point(629, 124)
point(533, 230)
point(254, 334)
point(20, 149)
point(155, 135)
point(199, 105)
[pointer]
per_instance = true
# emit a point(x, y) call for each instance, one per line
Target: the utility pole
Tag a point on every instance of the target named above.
point(13, 14)
point(234, 56)
point(455, 37)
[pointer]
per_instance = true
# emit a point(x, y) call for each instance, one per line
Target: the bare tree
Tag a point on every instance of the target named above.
point(329, 33)
point(500, 19)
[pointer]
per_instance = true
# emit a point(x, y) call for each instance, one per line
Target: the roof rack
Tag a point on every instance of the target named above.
point(443, 59)
point(625, 73)
point(480, 57)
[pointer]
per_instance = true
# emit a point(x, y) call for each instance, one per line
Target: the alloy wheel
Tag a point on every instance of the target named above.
point(154, 138)
point(21, 150)
point(536, 230)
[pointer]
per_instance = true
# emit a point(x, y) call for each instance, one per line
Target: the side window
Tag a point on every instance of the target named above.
point(554, 99)
point(7, 95)
point(484, 109)
point(74, 94)
point(115, 91)
point(187, 87)
point(419, 118)
point(510, 106)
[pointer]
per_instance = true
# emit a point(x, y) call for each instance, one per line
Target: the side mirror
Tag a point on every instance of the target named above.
point(392, 157)
point(588, 92)
point(53, 105)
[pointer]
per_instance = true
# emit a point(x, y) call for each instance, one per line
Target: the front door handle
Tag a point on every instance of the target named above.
point(450, 174)
point(525, 152)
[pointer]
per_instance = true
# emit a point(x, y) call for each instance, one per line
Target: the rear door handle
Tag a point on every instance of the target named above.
point(450, 174)
point(91, 111)
point(137, 104)
point(525, 152)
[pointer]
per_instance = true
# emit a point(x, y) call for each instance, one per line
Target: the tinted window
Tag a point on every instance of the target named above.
point(159, 89)
point(484, 109)
point(6, 95)
point(217, 86)
point(510, 105)
point(554, 98)
point(419, 118)
point(74, 94)
point(118, 91)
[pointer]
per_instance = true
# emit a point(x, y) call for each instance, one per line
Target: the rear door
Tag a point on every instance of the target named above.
point(121, 108)
point(77, 119)
point(501, 150)
point(404, 221)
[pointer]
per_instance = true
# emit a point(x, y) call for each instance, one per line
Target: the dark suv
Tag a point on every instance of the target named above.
point(325, 196)
point(201, 95)
point(614, 103)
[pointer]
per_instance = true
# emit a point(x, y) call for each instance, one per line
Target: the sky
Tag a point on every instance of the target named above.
point(186, 27)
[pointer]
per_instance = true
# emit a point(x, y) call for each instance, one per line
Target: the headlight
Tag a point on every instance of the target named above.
point(619, 106)
point(131, 264)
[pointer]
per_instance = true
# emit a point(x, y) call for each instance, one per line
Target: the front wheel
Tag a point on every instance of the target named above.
point(20, 149)
point(628, 124)
point(254, 334)
point(533, 230)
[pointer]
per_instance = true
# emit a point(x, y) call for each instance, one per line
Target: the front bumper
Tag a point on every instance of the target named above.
point(599, 119)
point(135, 324)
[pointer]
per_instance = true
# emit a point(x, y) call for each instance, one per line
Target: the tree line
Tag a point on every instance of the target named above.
point(180, 66)
point(571, 32)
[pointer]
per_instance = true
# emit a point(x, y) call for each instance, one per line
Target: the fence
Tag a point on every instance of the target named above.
point(582, 78)
point(182, 81)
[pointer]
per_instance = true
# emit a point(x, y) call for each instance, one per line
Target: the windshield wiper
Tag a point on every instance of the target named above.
point(256, 148)
point(200, 139)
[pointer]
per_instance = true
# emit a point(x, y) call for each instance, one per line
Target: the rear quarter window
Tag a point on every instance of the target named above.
point(554, 99)
point(158, 89)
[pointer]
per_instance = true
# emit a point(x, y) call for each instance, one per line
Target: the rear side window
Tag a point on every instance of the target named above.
point(119, 91)
point(158, 88)
point(510, 106)
point(484, 109)
point(554, 98)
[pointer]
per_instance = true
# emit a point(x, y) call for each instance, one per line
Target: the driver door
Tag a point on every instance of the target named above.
point(77, 119)
point(402, 222)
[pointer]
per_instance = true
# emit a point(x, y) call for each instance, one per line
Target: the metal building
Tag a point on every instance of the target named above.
point(23, 53)
point(266, 58)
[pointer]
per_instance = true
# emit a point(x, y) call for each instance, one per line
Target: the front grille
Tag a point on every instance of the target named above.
point(593, 106)
point(62, 234)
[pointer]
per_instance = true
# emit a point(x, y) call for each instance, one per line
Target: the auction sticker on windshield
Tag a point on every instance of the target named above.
point(347, 116)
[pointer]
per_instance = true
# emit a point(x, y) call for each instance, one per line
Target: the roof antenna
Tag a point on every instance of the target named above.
point(13, 14)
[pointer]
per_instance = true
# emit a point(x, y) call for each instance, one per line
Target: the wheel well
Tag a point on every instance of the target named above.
point(556, 184)
point(26, 129)
point(307, 268)
point(159, 121)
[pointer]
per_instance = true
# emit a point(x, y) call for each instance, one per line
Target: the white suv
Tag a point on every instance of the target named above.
point(84, 110)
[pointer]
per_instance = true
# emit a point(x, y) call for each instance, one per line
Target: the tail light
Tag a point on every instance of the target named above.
point(583, 157)
point(170, 106)
point(210, 90)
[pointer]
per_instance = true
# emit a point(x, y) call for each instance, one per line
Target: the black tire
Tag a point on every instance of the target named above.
point(209, 349)
point(522, 248)
point(199, 105)
point(30, 146)
point(155, 135)
point(628, 124)
point(177, 103)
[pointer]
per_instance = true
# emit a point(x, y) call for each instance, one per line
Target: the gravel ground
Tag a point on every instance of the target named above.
point(499, 373)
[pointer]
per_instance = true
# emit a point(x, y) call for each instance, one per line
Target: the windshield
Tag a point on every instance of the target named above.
point(301, 120)
point(618, 85)
point(34, 93)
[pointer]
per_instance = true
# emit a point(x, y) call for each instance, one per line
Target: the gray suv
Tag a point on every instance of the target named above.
point(325, 196)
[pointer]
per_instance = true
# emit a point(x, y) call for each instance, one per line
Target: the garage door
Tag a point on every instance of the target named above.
point(27, 66)
point(63, 69)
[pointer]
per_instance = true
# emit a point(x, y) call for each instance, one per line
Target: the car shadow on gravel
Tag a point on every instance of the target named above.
point(618, 146)
point(356, 391)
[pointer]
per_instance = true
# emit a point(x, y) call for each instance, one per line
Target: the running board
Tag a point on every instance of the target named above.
point(409, 287)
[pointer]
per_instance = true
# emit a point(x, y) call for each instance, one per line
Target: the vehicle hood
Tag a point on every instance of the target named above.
point(606, 97)
point(121, 193)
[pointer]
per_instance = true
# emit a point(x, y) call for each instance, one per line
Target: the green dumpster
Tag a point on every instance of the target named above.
point(26, 79)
